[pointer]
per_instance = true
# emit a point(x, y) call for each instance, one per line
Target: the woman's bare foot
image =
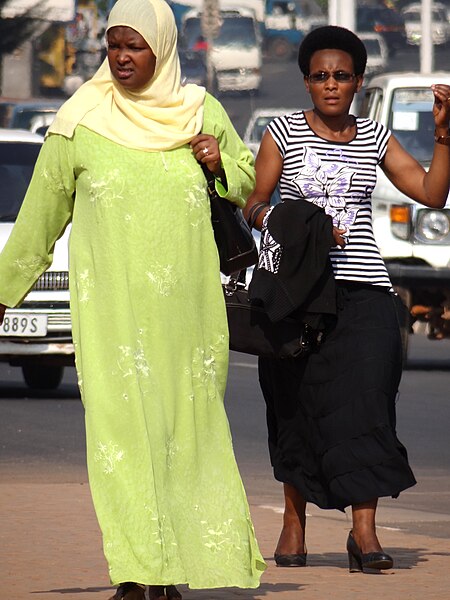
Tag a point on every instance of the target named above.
point(291, 541)
point(364, 527)
point(292, 537)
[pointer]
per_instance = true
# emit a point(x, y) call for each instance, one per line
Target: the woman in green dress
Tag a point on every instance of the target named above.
point(120, 163)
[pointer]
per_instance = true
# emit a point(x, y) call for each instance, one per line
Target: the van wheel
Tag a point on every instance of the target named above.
point(42, 377)
point(404, 334)
point(280, 49)
point(404, 320)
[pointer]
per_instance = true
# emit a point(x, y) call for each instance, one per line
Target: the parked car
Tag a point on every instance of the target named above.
point(440, 27)
point(256, 126)
point(377, 53)
point(36, 335)
point(387, 22)
point(414, 240)
point(25, 114)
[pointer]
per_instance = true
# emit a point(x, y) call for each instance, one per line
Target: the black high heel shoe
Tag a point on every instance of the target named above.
point(290, 560)
point(357, 561)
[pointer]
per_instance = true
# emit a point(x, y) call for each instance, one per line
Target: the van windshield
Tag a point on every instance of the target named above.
point(411, 121)
point(372, 46)
point(17, 160)
point(235, 31)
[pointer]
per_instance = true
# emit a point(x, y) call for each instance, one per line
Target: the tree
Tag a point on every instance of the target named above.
point(15, 31)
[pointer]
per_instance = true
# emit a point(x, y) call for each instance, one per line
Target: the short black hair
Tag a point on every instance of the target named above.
point(332, 37)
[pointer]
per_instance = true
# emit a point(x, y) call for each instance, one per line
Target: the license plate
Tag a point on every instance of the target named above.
point(17, 324)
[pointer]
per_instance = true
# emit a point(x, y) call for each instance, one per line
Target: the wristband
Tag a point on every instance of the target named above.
point(254, 213)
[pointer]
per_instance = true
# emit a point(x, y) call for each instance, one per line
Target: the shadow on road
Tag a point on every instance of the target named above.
point(18, 390)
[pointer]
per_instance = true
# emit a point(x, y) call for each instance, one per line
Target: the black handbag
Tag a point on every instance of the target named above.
point(234, 239)
point(251, 331)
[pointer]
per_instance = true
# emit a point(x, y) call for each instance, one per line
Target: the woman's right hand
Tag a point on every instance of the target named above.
point(2, 312)
point(441, 106)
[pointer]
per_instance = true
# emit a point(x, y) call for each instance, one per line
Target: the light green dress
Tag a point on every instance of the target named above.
point(151, 340)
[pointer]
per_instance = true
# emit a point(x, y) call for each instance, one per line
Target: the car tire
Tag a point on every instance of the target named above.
point(42, 377)
point(280, 49)
point(404, 321)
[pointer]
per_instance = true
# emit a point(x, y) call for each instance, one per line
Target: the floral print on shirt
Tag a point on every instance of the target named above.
point(326, 184)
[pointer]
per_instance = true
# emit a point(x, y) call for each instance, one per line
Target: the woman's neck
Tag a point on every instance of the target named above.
point(340, 127)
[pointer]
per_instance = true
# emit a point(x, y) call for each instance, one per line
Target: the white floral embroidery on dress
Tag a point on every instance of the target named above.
point(204, 370)
point(105, 192)
point(85, 283)
point(164, 162)
point(195, 196)
point(53, 180)
point(164, 537)
point(133, 362)
point(29, 267)
point(223, 537)
point(159, 533)
point(163, 278)
point(172, 450)
point(108, 454)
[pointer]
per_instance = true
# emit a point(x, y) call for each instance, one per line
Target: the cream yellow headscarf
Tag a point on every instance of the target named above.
point(163, 115)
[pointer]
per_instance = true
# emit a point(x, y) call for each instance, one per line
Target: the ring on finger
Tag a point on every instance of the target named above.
point(205, 150)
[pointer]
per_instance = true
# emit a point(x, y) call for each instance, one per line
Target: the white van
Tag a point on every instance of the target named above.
point(414, 240)
point(37, 335)
point(236, 54)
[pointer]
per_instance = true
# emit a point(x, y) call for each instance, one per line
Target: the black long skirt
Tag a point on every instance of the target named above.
point(331, 416)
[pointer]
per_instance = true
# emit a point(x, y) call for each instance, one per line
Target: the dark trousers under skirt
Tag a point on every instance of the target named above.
point(331, 416)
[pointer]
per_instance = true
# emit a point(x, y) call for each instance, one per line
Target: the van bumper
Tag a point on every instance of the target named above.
point(419, 276)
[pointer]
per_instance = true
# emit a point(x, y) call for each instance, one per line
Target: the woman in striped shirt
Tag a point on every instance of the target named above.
point(331, 415)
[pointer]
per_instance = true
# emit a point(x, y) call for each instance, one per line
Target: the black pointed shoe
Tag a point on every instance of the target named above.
point(357, 561)
point(290, 560)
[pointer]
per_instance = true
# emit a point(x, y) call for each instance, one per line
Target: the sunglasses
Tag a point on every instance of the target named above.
point(339, 76)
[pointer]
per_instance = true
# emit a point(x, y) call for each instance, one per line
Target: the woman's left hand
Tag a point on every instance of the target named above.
point(206, 150)
point(339, 237)
point(441, 107)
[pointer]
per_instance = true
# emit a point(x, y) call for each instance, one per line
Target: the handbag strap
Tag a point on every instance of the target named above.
point(210, 180)
point(237, 279)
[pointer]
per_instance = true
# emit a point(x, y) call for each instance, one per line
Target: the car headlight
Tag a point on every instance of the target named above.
point(432, 225)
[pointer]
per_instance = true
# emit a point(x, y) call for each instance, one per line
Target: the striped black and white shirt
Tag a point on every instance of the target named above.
point(340, 177)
